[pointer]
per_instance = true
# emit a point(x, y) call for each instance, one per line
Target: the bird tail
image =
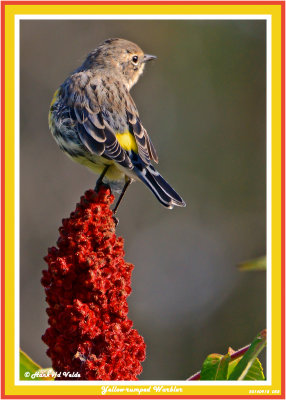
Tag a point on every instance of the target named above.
point(161, 189)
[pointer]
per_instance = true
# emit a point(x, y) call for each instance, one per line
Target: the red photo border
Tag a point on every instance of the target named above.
point(172, 2)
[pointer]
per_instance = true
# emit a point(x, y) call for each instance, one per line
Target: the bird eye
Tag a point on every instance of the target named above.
point(135, 59)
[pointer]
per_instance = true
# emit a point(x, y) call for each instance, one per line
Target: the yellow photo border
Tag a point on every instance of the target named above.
point(188, 389)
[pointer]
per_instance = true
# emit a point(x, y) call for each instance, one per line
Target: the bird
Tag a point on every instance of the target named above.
point(95, 121)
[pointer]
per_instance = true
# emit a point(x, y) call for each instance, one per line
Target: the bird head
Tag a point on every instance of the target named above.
point(120, 56)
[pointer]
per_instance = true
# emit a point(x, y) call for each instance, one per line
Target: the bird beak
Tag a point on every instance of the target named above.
point(148, 57)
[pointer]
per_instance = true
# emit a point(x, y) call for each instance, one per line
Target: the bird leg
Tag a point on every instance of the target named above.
point(100, 179)
point(127, 183)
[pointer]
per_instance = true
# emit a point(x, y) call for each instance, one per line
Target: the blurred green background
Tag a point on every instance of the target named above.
point(203, 104)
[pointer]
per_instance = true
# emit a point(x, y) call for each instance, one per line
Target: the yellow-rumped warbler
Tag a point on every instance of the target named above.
point(94, 119)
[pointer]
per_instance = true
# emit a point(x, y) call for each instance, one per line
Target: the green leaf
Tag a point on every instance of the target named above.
point(29, 370)
point(247, 368)
point(256, 264)
point(255, 372)
point(27, 365)
point(215, 368)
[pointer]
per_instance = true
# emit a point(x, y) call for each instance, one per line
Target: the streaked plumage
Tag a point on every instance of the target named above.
point(95, 121)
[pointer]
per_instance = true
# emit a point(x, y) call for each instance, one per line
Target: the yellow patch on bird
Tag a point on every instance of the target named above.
point(127, 141)
point(98, 164)
point(54, 99)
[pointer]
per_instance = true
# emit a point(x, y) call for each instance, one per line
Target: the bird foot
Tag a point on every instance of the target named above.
point(115, 219)
point(99, 184)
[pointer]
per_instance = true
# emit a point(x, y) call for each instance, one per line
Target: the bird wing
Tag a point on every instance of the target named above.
point(146, 150)
point(99, 137)
point(94, 131)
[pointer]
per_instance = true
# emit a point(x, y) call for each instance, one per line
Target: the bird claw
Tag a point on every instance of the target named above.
point(115, 219)
point(99, 184)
